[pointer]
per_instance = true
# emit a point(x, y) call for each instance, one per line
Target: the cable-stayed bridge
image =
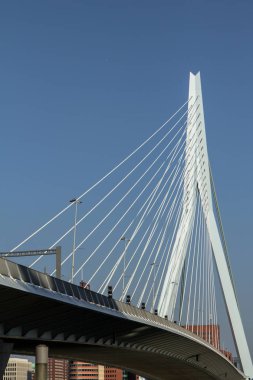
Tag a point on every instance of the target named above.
point(143, 279)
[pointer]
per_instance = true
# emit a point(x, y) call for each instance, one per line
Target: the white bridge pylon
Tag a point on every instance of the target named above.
point(197, 179)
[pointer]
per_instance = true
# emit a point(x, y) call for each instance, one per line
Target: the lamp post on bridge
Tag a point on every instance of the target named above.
point(127, 241)
point(153, 265)
point(77, 202)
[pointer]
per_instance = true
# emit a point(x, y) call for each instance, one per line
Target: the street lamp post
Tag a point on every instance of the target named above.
point(124, 262)
point(153, 287)
point(76, 201)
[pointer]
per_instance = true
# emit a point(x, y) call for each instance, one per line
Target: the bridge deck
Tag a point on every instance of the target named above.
point(81, 324)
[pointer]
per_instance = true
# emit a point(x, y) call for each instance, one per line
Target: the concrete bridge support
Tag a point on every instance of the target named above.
point(41, 362)
point(5, 351)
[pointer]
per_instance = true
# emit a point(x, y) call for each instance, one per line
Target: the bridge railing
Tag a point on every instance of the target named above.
point(33, 277)
point(30, 276)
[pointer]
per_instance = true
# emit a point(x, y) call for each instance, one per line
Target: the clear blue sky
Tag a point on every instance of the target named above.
point(83, 82)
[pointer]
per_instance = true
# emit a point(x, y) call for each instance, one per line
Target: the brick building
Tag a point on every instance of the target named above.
point(113, 373)
point(58, 369)
point(85, 371)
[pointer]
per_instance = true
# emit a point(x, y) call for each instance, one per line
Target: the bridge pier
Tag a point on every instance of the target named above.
point(5, 351)
point(41, 361)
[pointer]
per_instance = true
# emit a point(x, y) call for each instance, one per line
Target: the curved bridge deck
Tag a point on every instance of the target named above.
point(81, 324)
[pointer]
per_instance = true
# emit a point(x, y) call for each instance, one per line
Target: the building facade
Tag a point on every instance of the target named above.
point(76, 370)
point(85, 371)
point(113, 373)
point(58, 369)
point(18, 369)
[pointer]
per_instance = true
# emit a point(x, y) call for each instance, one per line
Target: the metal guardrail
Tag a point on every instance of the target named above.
point(43, 280)
point(33, 277)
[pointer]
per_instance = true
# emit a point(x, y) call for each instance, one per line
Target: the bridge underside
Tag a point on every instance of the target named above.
point(124, 336)
point(148, 364)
